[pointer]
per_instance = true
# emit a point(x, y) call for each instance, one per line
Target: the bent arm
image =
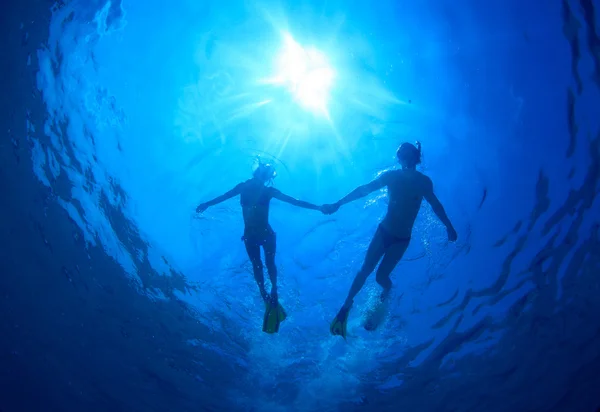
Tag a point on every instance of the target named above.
point(228, 195)
point(364, 190)
point(288, 199)
point(436, 205)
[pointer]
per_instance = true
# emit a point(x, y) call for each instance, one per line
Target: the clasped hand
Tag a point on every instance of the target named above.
point(330, 208)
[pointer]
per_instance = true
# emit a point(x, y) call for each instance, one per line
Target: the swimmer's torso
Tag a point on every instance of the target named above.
point(406, 189)
point(255, 199)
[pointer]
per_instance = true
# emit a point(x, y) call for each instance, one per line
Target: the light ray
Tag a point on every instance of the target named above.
point(305, 72)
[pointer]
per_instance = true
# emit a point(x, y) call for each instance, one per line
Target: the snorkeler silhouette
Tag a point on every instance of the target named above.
point(255, 197)
point(406, 189)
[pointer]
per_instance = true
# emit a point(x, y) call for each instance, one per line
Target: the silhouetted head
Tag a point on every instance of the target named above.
point(264, 172)
point(409, 155)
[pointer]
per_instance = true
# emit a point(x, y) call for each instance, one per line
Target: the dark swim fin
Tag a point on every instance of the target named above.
point(338, 326)
point(274, 315)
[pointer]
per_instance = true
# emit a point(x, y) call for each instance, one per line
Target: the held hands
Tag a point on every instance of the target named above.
point(330, 209)
point(452, 235)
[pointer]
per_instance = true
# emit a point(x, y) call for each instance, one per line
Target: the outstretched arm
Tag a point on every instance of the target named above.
point(233, 192)
point(364, 190)
point(288, 199)
point(438, 209)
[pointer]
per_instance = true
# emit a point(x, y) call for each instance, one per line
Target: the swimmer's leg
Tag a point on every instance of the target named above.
point(270, 248)
point(393, 255)
point(253, 250)
point(374, 253)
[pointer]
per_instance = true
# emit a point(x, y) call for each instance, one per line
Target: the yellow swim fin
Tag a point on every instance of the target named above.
point(274, 315)
point(339, 324)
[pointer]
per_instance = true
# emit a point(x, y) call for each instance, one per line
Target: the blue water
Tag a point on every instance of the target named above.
point(143, 109)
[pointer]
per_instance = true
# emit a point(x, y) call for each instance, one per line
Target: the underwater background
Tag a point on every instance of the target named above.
point(119, 117)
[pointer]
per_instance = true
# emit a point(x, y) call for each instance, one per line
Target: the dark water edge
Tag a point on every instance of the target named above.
point(74, 334)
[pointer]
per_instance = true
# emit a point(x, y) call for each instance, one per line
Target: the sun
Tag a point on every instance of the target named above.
point(306, 73)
